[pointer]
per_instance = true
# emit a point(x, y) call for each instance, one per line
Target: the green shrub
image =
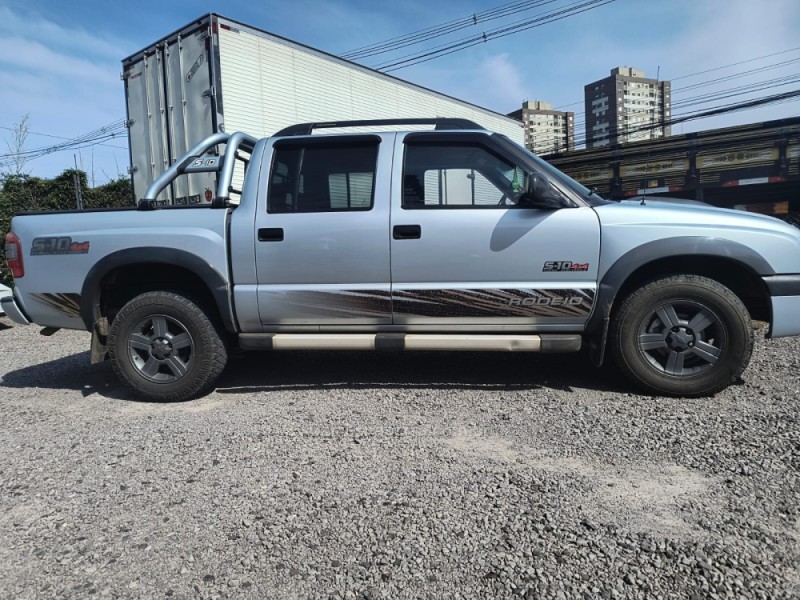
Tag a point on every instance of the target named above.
point(24, 193)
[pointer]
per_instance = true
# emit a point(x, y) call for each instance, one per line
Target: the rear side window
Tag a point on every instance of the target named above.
point(327, 176)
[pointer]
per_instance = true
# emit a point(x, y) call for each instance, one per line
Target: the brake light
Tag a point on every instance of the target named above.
point(14, 255)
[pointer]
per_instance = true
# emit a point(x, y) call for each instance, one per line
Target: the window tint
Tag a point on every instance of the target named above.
point(350, 190)
point(322, 177)
point(458, 176)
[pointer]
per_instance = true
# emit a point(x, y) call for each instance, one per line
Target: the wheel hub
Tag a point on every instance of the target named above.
point(161, 348)
point(681, 338)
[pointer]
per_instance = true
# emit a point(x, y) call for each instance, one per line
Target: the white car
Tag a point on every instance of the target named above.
point(4, 291)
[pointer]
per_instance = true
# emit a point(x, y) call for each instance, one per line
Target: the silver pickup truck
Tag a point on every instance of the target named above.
point(452, 238)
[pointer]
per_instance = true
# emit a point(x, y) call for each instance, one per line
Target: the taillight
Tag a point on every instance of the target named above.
point(14, 255)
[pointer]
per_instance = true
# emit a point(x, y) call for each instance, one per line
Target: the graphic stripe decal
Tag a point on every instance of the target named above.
point(66, 304)
point(494, 303)
point(465, 303)
point(350, 304)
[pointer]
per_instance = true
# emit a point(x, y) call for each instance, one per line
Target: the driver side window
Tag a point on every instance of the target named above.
point(458, 176)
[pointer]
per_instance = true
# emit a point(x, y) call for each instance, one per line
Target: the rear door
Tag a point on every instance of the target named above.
point(170, 101)
point(466, 257)
point(322, 244)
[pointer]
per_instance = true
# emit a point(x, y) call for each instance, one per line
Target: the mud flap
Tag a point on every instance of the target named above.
point(99, 339)
point(597, 344)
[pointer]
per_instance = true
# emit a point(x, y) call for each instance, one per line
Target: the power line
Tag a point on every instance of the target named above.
point(780, 98)
point(738, 91)
point(699, 100)
point(423, 35)
point(4, 162)
point(718, 68)
point(580, 118)
point(737, 75)
point(516, 27)
point(113, 130)
point(60, 137)
point(736, 64)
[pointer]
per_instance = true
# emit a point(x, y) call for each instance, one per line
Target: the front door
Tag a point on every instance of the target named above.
point(322, 249)
point(466, 257)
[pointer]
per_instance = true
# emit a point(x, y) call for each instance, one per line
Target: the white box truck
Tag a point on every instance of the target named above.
point(219, 75)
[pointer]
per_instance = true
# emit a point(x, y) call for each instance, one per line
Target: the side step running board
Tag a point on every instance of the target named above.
point(410, 341)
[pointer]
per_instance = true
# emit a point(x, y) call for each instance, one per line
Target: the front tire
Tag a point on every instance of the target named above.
point(683, 335)
point(165, 348)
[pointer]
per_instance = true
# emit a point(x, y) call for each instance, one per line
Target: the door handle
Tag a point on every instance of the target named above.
point(407, 232)
point(270, 234)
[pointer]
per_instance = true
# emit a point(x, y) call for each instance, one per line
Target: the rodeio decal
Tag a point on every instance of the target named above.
point(545, 301)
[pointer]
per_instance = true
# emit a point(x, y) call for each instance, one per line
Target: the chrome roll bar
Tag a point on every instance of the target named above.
point(196, 161)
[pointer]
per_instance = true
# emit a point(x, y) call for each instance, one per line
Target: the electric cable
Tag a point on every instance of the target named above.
point(516, 27)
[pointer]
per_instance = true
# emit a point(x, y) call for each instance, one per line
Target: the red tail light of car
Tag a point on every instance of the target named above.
point(14, 255)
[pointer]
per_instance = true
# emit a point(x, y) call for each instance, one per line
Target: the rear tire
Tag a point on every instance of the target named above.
point(683, 335)
point(165, 348)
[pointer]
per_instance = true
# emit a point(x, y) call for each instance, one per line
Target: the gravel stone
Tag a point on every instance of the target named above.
point(379, 475)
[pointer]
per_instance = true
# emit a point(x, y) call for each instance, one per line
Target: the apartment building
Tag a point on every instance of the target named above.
point(626, 107)
point(547, 131)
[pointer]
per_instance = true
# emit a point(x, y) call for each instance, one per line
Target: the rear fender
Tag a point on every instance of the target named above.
point(215, 282)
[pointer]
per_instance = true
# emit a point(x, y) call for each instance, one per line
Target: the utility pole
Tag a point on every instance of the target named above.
point(77, 181)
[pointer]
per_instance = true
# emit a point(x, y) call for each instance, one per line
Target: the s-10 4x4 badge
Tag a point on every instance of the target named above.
point(58, 245)
point(564, 265)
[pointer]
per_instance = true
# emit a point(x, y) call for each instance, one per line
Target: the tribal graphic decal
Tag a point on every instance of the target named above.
point(494, 303)
point(66, 304)
point(432, 303)
point(350, 304)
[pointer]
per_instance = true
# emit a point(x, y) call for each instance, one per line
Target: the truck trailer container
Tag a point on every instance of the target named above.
point(217, 75)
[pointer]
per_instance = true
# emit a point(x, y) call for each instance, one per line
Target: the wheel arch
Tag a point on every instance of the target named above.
point(732, 264)
point(132, 268)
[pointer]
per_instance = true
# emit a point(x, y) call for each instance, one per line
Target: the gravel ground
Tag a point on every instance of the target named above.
point(358, 475)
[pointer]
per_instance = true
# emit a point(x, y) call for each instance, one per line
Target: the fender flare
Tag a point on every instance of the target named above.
point(214, 280)
point(694, 246)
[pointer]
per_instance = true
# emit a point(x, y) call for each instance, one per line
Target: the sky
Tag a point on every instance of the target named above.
point(60, 62)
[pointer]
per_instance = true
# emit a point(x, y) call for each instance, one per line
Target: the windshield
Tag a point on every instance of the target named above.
point(541, 166)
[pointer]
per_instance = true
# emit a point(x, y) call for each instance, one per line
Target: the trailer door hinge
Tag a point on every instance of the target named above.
point(212, 92)
point(132, 169)
point(129, 123)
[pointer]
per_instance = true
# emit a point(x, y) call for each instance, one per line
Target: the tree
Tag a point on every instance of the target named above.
point(26, 193)
point(16, 148)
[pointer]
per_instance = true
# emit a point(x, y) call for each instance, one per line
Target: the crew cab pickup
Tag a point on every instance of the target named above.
point(452, 238)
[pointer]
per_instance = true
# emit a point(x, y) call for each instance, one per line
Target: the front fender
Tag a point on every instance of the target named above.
point(685, 246)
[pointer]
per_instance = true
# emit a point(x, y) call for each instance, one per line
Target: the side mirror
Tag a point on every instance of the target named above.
point(540, 194)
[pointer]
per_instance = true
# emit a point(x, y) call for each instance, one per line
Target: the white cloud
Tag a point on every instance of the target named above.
point(67, 77)
point(742, 31)
point(492, 82)
point(67, 80)
point(714, 37)
point(673, 40)
point(34, 57)
point(37, 27)
point(501, 81)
